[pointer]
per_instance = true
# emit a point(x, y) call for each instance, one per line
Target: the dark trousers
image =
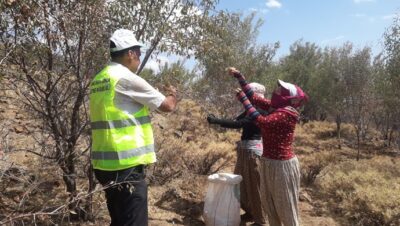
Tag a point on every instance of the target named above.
point(126, 194)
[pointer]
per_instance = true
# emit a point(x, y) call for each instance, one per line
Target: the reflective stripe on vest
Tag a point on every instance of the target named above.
point(120, 140)
point(113, 155)
point(115, 124)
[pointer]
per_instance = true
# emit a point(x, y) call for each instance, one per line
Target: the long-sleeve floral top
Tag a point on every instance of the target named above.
point(277, 128)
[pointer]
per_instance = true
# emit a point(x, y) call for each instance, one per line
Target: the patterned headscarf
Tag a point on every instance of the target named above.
point(291, 95)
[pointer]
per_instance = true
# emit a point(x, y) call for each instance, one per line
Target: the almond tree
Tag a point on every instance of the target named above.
point(57, 46)
point(172, 26)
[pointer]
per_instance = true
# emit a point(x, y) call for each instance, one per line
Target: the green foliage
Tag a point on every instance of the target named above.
point(172, 74)
point(172, 26)
point(300, 67)
point(392, 50)
point(389, 73)
point(230, 40)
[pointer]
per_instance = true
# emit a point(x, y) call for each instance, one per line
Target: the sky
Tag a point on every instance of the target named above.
point(324, 22)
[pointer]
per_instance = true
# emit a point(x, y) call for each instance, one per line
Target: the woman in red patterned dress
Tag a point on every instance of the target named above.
point(280, 169)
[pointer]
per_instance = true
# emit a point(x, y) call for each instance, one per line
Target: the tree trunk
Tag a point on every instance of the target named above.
point(390, 137)
point(69, 178)
point(69, 173)
point(89, 199)
point(358, 145)
point(338, 129)
point(386, 128)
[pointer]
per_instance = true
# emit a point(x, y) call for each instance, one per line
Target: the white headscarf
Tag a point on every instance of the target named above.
point(257, 88)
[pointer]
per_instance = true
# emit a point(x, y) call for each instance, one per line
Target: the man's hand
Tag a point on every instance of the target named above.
point(170, 90)
point(170, 101)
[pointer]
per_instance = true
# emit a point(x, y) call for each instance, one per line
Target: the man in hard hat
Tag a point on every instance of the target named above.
point(122, 136)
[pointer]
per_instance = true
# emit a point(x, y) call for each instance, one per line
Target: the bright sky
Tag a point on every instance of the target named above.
point(324, 22)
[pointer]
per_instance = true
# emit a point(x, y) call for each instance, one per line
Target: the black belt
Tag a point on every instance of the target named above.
point(106, 176)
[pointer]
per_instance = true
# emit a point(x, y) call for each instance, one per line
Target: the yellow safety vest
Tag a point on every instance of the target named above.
point(120, 140)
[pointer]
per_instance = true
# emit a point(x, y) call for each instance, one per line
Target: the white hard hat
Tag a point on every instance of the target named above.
point(124, 39)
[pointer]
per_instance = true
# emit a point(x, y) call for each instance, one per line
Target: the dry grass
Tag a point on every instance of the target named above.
point(366, 192)
point(189, 149)
point(357, 193)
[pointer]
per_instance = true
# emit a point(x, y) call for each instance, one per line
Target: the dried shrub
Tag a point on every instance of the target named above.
point(188, 146)
point(209, 162)
point(365, 192)
point(313, 164)
point(327, 130)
